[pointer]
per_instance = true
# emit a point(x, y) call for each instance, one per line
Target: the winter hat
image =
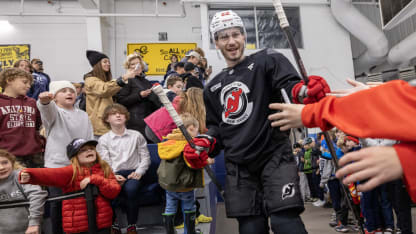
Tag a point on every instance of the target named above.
point(76, 144)
point(189, 67)
point(307, 141)
point(55, 86)
point(195, 54)
point(94, 57)
point(297, 145)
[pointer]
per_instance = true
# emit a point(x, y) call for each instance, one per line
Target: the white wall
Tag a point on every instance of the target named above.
point(61, 41)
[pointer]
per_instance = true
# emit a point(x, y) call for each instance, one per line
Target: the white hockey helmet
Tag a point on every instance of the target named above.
point(223, 20)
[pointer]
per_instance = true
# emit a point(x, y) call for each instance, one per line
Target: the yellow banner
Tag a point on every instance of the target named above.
point(157, 55)
point(9, 54)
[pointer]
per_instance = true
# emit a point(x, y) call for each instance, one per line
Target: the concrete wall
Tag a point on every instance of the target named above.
point(61, 41)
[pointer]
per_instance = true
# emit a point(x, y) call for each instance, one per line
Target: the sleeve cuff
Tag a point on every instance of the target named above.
point(34, 221)
point(406, 153)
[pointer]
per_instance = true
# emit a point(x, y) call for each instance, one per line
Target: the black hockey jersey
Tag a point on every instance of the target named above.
point(237, 101)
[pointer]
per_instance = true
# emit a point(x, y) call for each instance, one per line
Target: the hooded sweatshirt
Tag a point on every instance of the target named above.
point(19, 126)
point(16, 220)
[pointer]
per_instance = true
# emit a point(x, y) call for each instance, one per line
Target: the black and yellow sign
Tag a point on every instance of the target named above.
point(9, 54)
point(157, 55)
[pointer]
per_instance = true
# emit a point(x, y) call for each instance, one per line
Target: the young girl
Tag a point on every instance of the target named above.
point(87, 167)
point(19, 219)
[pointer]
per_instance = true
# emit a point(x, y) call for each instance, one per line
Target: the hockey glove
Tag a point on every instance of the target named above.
point(315, 91)
point(197, 158)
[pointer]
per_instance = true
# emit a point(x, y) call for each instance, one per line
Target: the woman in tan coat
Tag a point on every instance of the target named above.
point(100, 89)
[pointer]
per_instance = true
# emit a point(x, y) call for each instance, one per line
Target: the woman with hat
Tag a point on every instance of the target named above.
point(100, 89)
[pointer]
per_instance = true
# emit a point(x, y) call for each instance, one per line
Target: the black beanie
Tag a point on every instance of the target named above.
point(189, 67)
point(94, 57)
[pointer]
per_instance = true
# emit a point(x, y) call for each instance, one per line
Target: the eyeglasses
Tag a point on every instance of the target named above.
point(39, 62)
point(225, 37)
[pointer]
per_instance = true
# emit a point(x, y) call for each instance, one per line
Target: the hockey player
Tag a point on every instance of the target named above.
point(386, 111)
point(262, 179)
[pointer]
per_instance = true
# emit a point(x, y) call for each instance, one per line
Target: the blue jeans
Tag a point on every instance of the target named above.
point(130, 196)
point(377, 209)
point(187, 203)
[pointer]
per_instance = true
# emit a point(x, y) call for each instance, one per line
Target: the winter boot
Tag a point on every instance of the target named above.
point(115, 229)
point(169, 221)
point(190, 218)
point(131, 229)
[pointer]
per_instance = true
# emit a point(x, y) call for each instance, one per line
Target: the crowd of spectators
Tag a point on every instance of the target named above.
point(319, 185)
point(66, 135)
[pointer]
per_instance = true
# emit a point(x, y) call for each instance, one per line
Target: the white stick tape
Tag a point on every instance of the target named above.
point(281, 13)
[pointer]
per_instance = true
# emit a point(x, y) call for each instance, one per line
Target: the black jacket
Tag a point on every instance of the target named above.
point(237, 105)
point(139, 107)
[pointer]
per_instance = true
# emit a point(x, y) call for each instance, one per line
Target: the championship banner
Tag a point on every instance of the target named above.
point(9, 54)
point(157, 55)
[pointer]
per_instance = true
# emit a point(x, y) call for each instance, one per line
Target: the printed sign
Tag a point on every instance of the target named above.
point(157, 55)
point(9, 54)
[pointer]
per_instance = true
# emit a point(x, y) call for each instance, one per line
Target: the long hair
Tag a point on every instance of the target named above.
point(77, 167)
point(192, 101)
point(98, 71)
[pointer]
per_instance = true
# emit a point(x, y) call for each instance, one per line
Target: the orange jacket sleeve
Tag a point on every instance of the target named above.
point(387, 111)
point(406, 153)
point(57, 177)
point(108, 187)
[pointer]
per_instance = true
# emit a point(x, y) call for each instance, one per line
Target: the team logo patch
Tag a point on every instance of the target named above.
point(288, 191)
point(236, 107)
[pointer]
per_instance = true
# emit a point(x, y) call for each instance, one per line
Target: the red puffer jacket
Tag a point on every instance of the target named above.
point(74, 211)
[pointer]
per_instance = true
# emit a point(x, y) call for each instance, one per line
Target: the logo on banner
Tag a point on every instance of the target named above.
point(234, 100)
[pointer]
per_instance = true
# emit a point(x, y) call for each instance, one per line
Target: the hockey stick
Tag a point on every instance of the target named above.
point(284, 24)
point(158, 90)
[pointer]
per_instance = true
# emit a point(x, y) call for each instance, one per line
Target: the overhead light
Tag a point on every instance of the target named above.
point(5, 26)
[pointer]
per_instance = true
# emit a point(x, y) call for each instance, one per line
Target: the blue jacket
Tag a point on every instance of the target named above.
point(40, 84)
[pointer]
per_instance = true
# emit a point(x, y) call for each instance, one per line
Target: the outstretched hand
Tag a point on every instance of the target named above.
point(356, 86)
point(289, 117)
point(377, 165)
point(45, 98)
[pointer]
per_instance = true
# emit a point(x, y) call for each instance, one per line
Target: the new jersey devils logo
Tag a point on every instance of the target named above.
point(236, 107)
point(288, 191)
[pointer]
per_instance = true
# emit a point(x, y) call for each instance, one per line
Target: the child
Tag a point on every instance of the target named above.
point(62, 123)
point(86, 167)
point(175, 86)
point(19, 219)
point(176, 176)
point(125, 150)
point(311, 170)
point(20, 119)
